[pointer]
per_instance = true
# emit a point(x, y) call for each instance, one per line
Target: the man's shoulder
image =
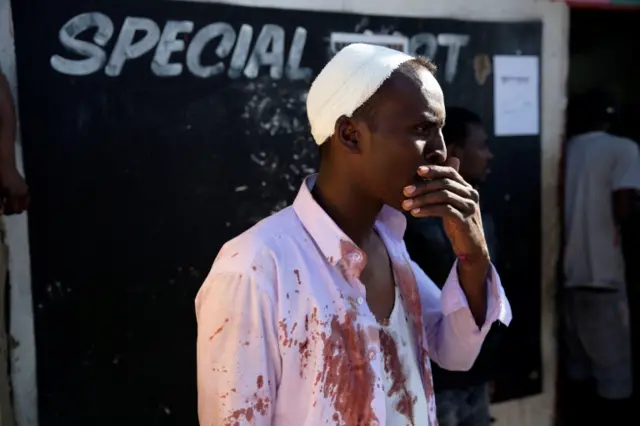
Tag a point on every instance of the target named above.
point(247, 265)
point(605, 138)
point(625, 147)
point(262, 244)
point(616, 145)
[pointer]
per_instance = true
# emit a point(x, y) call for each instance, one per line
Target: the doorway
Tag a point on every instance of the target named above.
point(603, 55)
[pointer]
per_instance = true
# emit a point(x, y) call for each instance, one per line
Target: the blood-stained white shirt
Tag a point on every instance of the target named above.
point(401, 379)
point(285, 336)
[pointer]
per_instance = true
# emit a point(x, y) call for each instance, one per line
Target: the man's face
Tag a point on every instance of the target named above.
point(474, 155)
point(409, 115)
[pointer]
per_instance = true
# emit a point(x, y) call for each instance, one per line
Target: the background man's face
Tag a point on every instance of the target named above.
point(475, 155)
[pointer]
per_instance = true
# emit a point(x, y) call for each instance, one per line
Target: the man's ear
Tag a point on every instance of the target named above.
point(347, 134)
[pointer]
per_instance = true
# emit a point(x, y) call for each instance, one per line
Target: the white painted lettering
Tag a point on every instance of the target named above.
point(204, 36)
point(454, 42)
point(269, 48)
point(96, 57)
point(293, 70)
point(423, 44)
point(268, 51)
point(168, 45)
point(241, 51)
point(125, 49)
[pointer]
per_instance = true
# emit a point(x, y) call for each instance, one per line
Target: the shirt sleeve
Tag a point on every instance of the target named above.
point(237, 351)
point(453, 337)
point(626, 172)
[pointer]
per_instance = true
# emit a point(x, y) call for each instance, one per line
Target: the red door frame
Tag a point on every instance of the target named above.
point(578, 4)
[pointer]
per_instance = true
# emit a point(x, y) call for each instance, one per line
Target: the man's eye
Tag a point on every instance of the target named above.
point(421, 128)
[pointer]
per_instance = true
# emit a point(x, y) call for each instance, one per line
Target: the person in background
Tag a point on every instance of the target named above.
point(462, 398)
point(601, 184)
point(627, 125)
point(14, 198)
point(14, 192)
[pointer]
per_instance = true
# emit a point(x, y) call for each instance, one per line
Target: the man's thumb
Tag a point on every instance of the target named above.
point(453, 162)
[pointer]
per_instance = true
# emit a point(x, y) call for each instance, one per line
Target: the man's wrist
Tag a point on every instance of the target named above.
point(474, 261)
point(473, 272)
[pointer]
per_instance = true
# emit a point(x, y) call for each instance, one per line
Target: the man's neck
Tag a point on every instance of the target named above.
point(353, 212)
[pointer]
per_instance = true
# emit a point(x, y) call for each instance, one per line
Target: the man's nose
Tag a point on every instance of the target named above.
point(438, 156)
point(435, 151)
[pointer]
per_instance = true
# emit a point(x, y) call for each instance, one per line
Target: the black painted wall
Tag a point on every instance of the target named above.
point(137, 180)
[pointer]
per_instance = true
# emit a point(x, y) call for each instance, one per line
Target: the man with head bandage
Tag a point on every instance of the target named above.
point(317, 315)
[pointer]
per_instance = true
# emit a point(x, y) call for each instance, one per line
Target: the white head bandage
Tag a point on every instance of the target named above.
point(347, 82)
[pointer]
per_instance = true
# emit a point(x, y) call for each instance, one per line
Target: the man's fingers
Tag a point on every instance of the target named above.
point(14, 205)
point(448, 184)
point(21, 206)
point(23, 201)
point(434, 172)
point(10, 207)
point(445, 193)
point(439, 172)
point(438, 210)
point(464, 206)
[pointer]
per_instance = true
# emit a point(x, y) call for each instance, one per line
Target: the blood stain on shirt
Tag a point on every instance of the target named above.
point(219, 330)
point(259, 405)
point(393, 367)
point(347, 377)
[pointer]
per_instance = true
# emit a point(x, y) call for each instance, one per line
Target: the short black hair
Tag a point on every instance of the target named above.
point(456, 125)
point(367, 111)
point(591, 110)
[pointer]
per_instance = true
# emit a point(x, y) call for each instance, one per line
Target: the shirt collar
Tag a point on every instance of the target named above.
point(332, 241)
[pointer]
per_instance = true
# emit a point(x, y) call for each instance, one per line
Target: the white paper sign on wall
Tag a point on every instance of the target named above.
point(516, 88)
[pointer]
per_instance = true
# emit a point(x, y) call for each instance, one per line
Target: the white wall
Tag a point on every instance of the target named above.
point(23, 361)
point(533, 411)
